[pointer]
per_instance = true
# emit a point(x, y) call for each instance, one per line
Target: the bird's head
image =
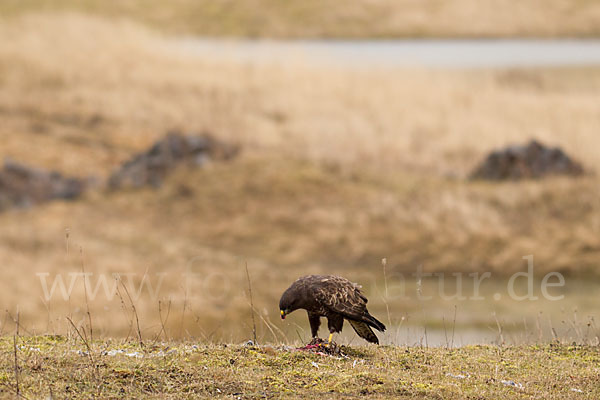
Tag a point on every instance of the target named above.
point(289, 302)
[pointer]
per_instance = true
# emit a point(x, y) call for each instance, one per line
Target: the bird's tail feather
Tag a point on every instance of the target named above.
point(374, 322)
point(364, 331)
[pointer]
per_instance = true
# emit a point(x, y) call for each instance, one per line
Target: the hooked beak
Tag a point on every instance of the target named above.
point(282, 314)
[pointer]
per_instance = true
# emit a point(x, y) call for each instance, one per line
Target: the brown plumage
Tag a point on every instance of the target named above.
point(333, 297)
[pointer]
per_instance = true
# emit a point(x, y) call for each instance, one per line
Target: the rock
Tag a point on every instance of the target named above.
point(23, 186)
point(153, 165)
point(532, 161)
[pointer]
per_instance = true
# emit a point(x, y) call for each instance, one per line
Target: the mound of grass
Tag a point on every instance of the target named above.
point(59, 367)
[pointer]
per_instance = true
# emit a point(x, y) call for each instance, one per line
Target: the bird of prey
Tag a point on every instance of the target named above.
point(333, 297)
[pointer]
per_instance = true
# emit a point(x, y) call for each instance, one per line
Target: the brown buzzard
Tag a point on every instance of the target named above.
point(333, 297)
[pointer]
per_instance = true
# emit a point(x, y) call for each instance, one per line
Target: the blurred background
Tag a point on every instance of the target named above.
point(160, 156)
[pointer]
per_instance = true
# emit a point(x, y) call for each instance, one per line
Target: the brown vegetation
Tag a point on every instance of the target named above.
point(59, 367)
point(340, 168)
point(333, 19)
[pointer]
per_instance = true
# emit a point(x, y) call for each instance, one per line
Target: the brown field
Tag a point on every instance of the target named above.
point(330, 18)
point(54, 366)
point(339, 169)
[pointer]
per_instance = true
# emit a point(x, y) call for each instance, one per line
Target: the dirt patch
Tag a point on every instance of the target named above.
point(531, 161)
point(150, 167)
point(23, 186)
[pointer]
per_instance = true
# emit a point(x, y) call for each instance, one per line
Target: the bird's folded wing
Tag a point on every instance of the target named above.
point(343, 300)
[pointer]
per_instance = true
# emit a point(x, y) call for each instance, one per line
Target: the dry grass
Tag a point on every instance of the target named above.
point(330, 18)
point(58, 367)
point(59, 87)
point(340, 168)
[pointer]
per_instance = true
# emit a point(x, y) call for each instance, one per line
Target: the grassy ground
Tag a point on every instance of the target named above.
point(340, 168)
point(57, 367)
point(358, 19)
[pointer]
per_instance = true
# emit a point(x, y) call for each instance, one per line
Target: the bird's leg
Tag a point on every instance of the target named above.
point(335, 323)
point(329, 340)
point(315, 322)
